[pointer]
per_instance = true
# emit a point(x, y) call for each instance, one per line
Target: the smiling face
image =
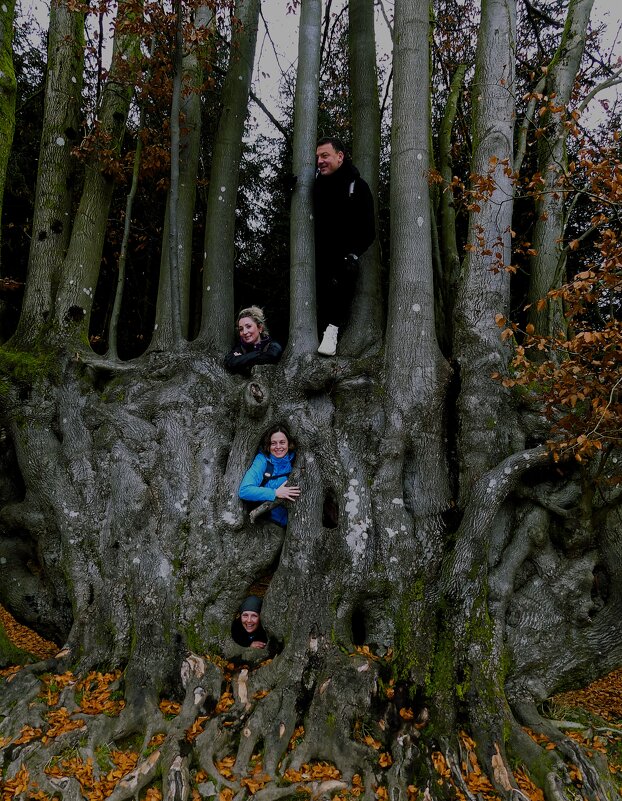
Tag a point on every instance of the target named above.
point(250, 621)
point(249, 331)
point(279, 444)
point(328, 159)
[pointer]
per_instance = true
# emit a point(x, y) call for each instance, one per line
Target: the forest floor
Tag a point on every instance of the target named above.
point(592, 716)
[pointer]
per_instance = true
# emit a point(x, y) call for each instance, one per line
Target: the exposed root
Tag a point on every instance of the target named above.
point(253, 743)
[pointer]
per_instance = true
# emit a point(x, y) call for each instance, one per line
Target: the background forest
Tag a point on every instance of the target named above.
point(453, 561)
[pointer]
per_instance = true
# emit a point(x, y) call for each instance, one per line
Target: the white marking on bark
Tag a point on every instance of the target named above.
point(4, 9)
point(390, 532)
point(398, 501)
point(60, 141)
point(223, 188)
point(135, 561)
point(229, 517)
point(419, 221)
point(242, 687)
point(416, 307)
point(73, 79)
point(419, 156)
point(246, 731)
point(281, 729)
point(352, 498)
point(324, 685)
point(393, 559)
point(313, 644)
point(363, 668)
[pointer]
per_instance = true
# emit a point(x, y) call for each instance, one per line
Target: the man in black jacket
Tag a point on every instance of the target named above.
point(344, 229)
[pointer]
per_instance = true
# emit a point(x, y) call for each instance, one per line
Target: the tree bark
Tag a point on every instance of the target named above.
point(548, 265)
point(302, 305)
point(219, 255)
point(367, 306)
point(7, 91)
point(80, 268)
point(51, 225)
point(485, 422)
point(188, 169)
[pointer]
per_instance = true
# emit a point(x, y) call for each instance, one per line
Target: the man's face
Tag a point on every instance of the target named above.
point(250, 621)
point(328, 159)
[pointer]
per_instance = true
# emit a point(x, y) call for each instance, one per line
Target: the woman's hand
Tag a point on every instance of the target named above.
point(287, 493)
point(257, 644)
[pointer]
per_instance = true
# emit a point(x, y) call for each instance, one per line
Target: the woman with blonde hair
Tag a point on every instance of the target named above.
point(254, 343)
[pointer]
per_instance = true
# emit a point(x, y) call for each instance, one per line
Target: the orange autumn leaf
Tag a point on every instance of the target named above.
point(169, 707)
point(197, 727)
point(255, 783)
point(60, 723)
point(226, 794)
point(26, 639)
point(406, 713)
point(224, 766)
point(297, 735)
point(369, 740)
point(385, 760)
point(14, 787)
point(226, 702)
point(27, 734)
point(382, 793)
point(440, 765)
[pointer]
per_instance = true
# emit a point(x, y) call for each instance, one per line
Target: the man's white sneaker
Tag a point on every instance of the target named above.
point(328, 346)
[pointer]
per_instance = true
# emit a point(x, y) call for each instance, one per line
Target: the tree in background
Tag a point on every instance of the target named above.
point(450, 563)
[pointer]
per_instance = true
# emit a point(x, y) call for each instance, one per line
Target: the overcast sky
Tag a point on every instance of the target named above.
point(283, 34)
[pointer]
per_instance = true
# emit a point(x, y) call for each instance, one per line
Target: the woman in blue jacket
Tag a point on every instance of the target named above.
point(266, 478)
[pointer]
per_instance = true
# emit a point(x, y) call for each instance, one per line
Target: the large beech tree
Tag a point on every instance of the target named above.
point(441, 574)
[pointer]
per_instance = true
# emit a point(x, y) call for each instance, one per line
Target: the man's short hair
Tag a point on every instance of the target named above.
point(335, 141)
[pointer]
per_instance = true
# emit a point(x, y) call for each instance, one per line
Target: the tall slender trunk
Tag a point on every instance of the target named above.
point(80, 269)
point(173, 242)
point(547, 266)
point(485, 285)
point(7, 91)
point(367, 308)
point(51, 225)
point(447, 234)
point(302, 310)
point(416, 371)
point(218, 263)
point(190, 145)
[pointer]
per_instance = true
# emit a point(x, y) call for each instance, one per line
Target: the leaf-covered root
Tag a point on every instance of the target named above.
point(70, 733)
point(559, 760)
